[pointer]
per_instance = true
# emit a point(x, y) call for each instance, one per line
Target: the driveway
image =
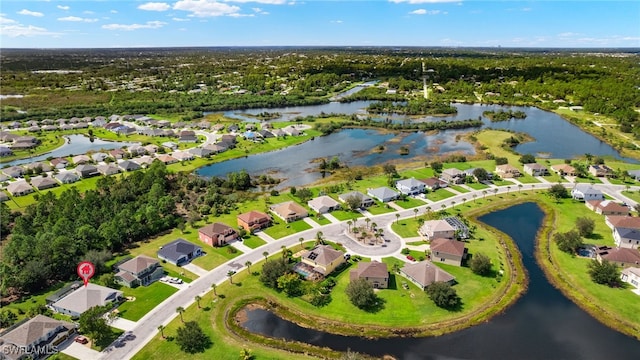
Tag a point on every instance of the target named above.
point(196, 269)
point(123, 324)
point(79, 351)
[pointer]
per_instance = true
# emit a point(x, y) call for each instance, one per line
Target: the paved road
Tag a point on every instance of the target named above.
point(146, 328)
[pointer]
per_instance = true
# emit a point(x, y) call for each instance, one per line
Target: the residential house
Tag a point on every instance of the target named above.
point(143, 161)
point(622, 257)
point(434, 183)
point(108, 169)
point(324, 259)
point(365, 201)
point(323, 204)
point(434, 229)
point(625, 237)
point(49, 128)
point(291, 130)
point(188, 136)
point(471, 173)
point(141, 270)
point(200, 152)
point(383, 194)
point(631, 275)
point(30, 339)
point(425, 273)
point(128, 165)
point(410, 186)
point(453, 176)
point(600, 170)
point(42, 183)
point(19, 188)
point(375, 273)
point(584, 192)
point(182, 155)
point(266, 134)
point(607, 207)
point(462, 230)
point(99, 157)
point(254, 220)
point(535, 169)
point(136, 150)
point(448, 251)
point(614, 221)
point(38, 166)
point(117, 154)
point(233, 128)
point(217, 234)
point(67, 177)
point(278, 132)
point(80, 159)
point(151, 148)
point(167, 159)
point(86, 171)
point(179, 252)
point(5, 151)
point(635, 174)
point(564, 170)
point(3, 196)
point(86, 297)
point(228, 140)
point(507, 171)
point(215, 148)
point(170, 145)
point(14, 171)
point(289, 211)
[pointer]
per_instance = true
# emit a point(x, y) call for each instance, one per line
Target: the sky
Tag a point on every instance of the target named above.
point(458, 23)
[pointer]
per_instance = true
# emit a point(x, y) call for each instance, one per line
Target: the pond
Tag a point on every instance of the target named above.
point(554, 137)
point(74, 145)
point(543, 324)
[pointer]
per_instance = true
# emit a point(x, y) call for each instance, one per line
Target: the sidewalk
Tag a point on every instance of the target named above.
point(197, 269)
point(331, 218)
point(264, 236)
point(312, 223)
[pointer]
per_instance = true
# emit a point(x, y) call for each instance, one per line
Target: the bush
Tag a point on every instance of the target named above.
point(192, 339)
point(271, 271)
point(604, 273)
point(568, 242)
point(585, 226)
point(361, 294)
point(480, 264)
point(443, 295)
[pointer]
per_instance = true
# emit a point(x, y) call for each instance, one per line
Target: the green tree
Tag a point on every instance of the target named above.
point(585, 226)
point(558, 192)
point(304, 194)
point(527, 159)
point(248, 265)
point(360, 293)
point(569, 241)
point(605, 273)
point(291, 284)
point(271, 271)
point(230, 274)
point(180, 310)
point(480, 264)
point(197, 299)
point(481, 174)
point(192, 339)
point(353, 202)
point(161, 329)
point(94, 325)
point(7, 318)
point(436, 166)
point(501, 160)
point(443, 295)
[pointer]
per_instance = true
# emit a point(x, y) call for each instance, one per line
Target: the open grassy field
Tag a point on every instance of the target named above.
point(146, 298)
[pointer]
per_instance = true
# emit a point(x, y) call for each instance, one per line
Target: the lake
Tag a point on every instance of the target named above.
point(543, 324)
point(554, 137)
point(74, 145)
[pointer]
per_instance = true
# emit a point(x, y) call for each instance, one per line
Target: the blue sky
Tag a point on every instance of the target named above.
point(131, 23)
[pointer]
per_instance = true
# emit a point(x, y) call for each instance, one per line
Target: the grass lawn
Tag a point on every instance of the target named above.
point(527, 179)
point(409, 203)
point(283, 229)
point(378, 209)
point(146, 298)
point(477, 186)
point(320, 219)
point(459, 189)
point(343, 215)
point(417, 243)
point(633, 195)
point(253, 241)
point(406, 228)
point(439, 194)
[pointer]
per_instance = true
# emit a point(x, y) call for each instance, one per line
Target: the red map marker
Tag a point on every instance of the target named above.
point(86, 270)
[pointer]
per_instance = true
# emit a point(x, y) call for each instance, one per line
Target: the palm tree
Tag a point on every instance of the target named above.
point(495, 191)
point(197, 299)
point(284, 251)
point(248, 265)
point(474, 197)
point(161, 329)
point(464, 200)
point(230, 274)
point(443, 206)
point(180, 310)
point(367, 220)
point(301, 240)
point(319, 239)
point(508, 188)
point(214, 286)
point(415, 213)
point(519, 187)
point(349, 223)
point(397, 218)
point(374, 226)
point(453, 203)
point(484, 194)
point(265, 254)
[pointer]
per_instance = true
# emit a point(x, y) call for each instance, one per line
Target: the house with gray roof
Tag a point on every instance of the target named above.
point(365, 201)
point(5, 151)
point(585, 192)
point(200, 152)
point(410, 186)
point(425, 273)
point(14, 171)
point(323, 204)
point(383, 194)
point(179, 252)
point(28, 339)
point(141, 270)
point(128, 165)
point(19, 188)
point(3, 196)
point(42, 183)
point(453, 176)
point(86, 171)
point(67, 177)
point(86, 297)
point(108, 169)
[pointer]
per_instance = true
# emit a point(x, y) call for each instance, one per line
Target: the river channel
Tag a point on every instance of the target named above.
point(554, 137)
point(543, 324)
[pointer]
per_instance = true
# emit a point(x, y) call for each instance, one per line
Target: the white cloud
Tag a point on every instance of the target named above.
point(568, 34)
point(88, 12)
point(21, 30)
point(61, 7)
point(76, 19)
point(155, 6)
point(424, 1)
point(30, 13)
point(270, 2)
point(259, 11)
point(427, 12)
point(130, 27)
point(180, 19)
point(114, 11)
point(206, 8)
point(336, 21)
point(5, 20)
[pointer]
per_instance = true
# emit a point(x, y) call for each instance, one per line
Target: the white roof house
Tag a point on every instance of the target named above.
point(383, 194)
point(323, 204)
point(86, 297)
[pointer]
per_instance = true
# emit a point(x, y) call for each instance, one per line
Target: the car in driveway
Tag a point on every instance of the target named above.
point(81, 339)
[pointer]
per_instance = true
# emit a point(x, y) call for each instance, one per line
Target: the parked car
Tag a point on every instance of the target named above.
point(411, 258)
point(81, 339)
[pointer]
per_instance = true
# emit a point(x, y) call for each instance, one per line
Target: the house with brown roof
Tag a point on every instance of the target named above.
point(434, 229)
point(448, 251)
point(19, 188)
point(217, 234)
point(167, 159)
point(622, 257)
point(289, 211)
point(375, 273)
point(425, 273)
point(600, 170)
point(42, 183)
point(254, 220)
point(507, 171)
point(141, 270)
point(323, 258)
point(434, 183)
point(29, 339)
point(613, 221)
point(564, 169)
point(117, 154)
point(453, 176)
point(607, 207)
point(80, 159)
